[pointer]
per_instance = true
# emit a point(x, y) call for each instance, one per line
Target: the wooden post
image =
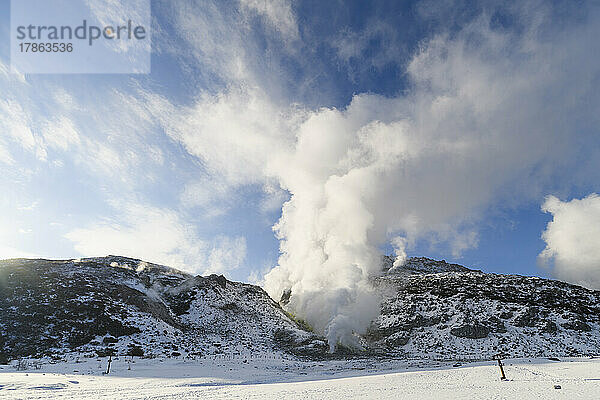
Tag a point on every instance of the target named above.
point(503, 377)
point(109, 361)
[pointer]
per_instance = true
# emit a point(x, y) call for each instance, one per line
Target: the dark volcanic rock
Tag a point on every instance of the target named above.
point(549, 327)
point(285, 297)
point(308, 346)
point(579, 326)
point(398, 339)
point(505, 315)
point(474, 331)
point(528, 318)
point(495, 325)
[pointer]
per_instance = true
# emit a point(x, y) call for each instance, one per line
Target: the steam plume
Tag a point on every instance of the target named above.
point(490, 116)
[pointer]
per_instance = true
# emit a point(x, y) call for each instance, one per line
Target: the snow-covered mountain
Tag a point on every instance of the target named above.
point(123, 305)
point(435, 309)
point(429, 309)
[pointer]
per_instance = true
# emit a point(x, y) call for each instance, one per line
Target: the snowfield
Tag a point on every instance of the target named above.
point(287, 379)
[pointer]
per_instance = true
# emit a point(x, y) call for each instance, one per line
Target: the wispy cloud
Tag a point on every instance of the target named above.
point(60, 133)
point(226, 254)
point(278, 13)
point(158, 235)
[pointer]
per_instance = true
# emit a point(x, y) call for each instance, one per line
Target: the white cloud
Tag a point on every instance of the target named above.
point(274, 198)
point(60, 133)
point(7, 252)
point(278, 14)
point(226, 254)
point(105, 160)
point(236, 133)
point(7, 74)
point(15, 123)
point(225, 42)
point(17, 118)
point(154, 234)
point(30, 207)
point(208, 192)
point(572, 240)
point(355, 49)
point(116, 13)
point(257, 275)
point(216, 38)
point(64, 99)
point(156, 155)
point(5, 156)
point(158, 235)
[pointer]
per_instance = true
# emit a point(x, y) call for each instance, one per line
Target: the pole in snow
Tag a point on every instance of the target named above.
point(109, 361)
point(503, 377)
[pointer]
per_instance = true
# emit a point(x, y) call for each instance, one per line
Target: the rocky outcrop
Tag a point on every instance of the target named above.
point(448, 311)
point(472, 331)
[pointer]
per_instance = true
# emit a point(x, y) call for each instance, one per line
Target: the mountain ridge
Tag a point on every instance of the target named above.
point(429, 308)
point(471, 312)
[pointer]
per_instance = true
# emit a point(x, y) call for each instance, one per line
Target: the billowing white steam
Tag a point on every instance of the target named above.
point(490, 117)
point(328, 228)
point(476, 126)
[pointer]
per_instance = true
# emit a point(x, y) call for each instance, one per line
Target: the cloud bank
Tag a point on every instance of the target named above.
point(573, 240)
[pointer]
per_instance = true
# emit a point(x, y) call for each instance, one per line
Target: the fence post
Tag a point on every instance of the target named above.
point(109, 361)
point(503, 377)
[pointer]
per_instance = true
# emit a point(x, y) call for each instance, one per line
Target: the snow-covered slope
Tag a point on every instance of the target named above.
point(358, 379)
point(123, 305)
point(430, 309)
point(435, 309)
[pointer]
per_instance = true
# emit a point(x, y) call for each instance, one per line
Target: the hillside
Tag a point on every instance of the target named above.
point(434, 309)
point(123, 305)
point(430, 309)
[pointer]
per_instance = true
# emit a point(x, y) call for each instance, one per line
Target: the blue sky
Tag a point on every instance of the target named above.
point(445, 124)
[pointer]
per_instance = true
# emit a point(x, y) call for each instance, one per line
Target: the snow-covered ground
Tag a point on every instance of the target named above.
point(288, 379)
